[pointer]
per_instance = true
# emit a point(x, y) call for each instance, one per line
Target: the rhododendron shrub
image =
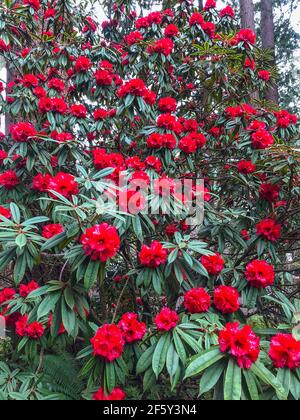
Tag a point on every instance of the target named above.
point(116, 297)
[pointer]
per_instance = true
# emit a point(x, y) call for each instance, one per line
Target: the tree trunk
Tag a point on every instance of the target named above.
point(247, 14)
point(268, 41)
point(9, 78)
point(200, 4)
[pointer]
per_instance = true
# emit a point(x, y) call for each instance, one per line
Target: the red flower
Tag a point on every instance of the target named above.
point(169, 122)
point(167, 105)
point(154, 18)
point(264, 75)
point(240, 343)
point(171, 31)
point(101, 242)
point(188, 145)
point(5, 212)
point(22, 132)
point(78, 111)
point(227, 11)
point(227, 299)
point(108, 342)
point(26, 289)
point(34, 330)
point(210, 4)
point(154, 162)
point(103, 78)
point(64, 184)
point(166, 320)
point(100, 114)
point(135, 87)
point(116, 395)
point(246, 36)
point(214, 264)
point(153, 256)
point(49, 231)
point(262, 139)
point(162, 46)
point(133, 38)
point(269, 192)
point(196, 19)
point(6, 295)
point(245, 167)
point(3, 156)
point(56, 84)
point(35, 4)
point(9, 180)
point(285, 119)
point(3, 46)
point(245, 234)
point(41, 182)
point(197, 301)
point(132, 329)
point(268, 230)
point(249, 64)
point(30, 81)
point(260, 274)
point(83, 64)
point(234, 112)
point(285, 352)
point(171, 230)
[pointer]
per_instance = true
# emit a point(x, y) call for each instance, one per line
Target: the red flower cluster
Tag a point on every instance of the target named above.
point(260, 274)
point(227, 12)
point(269, 230)
point(35, 4)
point(171, 31)
point(6, 295)
point(162, 46)
point(30, 81)
point(108, 342)
point(246, 36)
point(133, 38)
point(207, 27)
point(285, 351)
point(246, 167)
point(262, 139)
point(22, 132)
point(167, 104)
point(166, 320)
point(135, 87)
point(214, 264)
point(157, 141)
point(197, 301)
point(63, 184)
point(5, 212)
point(83, 64)
point(104, 77)
point(264, 75)
point(35, 330)
point(9, 180)
point(190, 143)
point(26, 289)
point(242, 344)
point(116, 395)
point(101, 242)
point(57, 105)
point(227, 299)
point(269, 192)
point(49, 231)
point(169, 122)
point(285, 119)
point(154, 255)
point(132, 329)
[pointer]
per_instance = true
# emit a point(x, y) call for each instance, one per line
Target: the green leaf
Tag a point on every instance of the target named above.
point(203, 361)
point(233, 382)
point(251, 385)
point(145, 360)
point(21, 240)
point(160, 354)
point(284, 376)
point(211, 376)
point(172, 360)
point(259, 370)
point(91, 274)
point(110, 377)
point(15, 212)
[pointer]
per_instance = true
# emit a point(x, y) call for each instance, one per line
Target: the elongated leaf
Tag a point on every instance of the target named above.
point(211, 376)
point(160, 354)
point(233, 382)
point(203, 361)
point(268, 378)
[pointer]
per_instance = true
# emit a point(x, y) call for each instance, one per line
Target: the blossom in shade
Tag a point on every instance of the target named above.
point(108, 342)
point(269, 230)
point(101, 242)
point(214, 264)
point(240, 343)
point(260, 274)
point(116, 395)
point(51, 230)
point(285, 352)
point(26, 289)
point(132, 329)
point(153, 256)
point(227, 299)
point(166, 320)
point(197, 301)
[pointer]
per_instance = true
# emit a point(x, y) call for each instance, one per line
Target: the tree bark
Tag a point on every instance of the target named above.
point(9, 78)
point(200, 4)
point(247, 14)
point(268, 41)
